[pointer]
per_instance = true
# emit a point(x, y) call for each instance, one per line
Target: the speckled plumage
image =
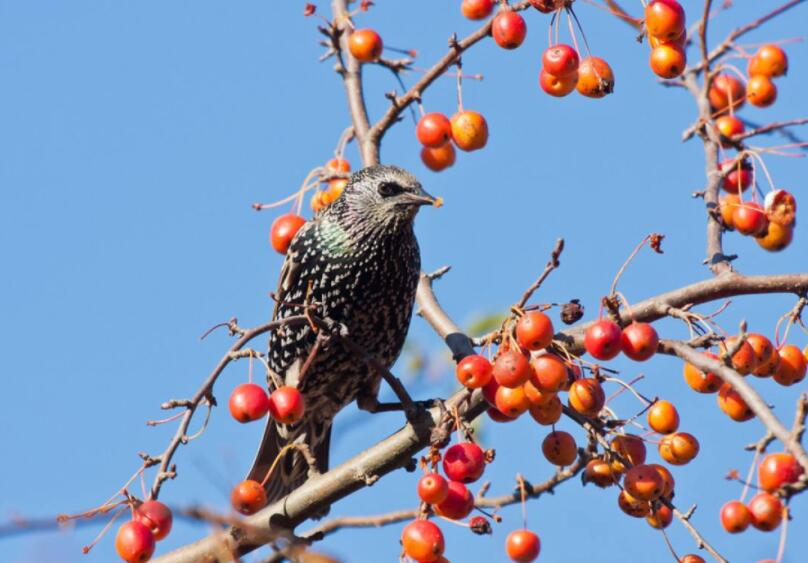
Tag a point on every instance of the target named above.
point(359, 260)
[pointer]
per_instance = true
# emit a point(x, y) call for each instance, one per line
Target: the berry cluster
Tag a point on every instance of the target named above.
point(135, 540)
point(667, 35)
point(771, 222)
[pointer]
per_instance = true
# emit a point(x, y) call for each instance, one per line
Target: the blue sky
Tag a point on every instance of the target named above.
point(135, 136)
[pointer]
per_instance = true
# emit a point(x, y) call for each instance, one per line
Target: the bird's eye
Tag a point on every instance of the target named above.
point(388, 189)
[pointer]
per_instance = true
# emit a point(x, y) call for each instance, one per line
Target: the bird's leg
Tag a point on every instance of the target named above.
point(370, 403)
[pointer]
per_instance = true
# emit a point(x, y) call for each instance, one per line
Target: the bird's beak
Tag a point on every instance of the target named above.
point(423, 198)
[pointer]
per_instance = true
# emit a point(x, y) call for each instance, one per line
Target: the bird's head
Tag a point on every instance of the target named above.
point(385, 195)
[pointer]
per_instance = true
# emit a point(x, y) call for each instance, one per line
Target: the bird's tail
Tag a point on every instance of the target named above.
point(291, 470)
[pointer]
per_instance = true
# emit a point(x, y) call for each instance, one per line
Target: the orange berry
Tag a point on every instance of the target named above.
point(512, 401)
point(691, 558)
point(440, 158)
point(536, 396)
point(701, 382)
point(766, 358)
point(744, 360)
point(729, 126)
point(477, 9)
point(668, 60)
point(522, 546)
point(792, 366)
point(586, 396)
point(365, 45)
point(655, 42)
point(433, 488)
point(726, 206)
point(726, 90)
point(338, 165)
point(631, 448)
point(663, 417)
point(761, 91)
point(549, 373)
point(770, 60)
point(595, 78)
point(534, 330)
point(633, 506)
point(766, 511)
point(776, 237)
point(778, 469)
point(558, 86)
point(469, 130)
point(600, 473)
point(735, 517)
point(667, 479)
point(679, 448)
point(422, 540)
point(644, 482)
point(248, 497)
point(559, 448)
point(660, 517)
point(733, 405)
point(548, 413)
point(665, 19)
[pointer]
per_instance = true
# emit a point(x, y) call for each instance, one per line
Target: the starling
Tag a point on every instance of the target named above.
point(358, 263)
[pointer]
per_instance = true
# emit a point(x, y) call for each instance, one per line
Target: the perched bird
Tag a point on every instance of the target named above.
point(358, 262)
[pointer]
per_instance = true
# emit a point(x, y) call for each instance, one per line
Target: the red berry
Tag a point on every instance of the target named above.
point(248, 402)
point(498, 416)
point(777, 470)
point(286, 405)
point(739, 176)
point(248, 497)
point(474, 371)
point(134, 542)
point(522, 546)
point(423, 541)
point(509, 29)
point(433, 488)
point(534, 331)
point(283, 230)
point(458, 503)
point(749, 218)
point(464, 462)
point(639, 341)
point(156, 516)
point(490, 392)
point(511, 368)
point(560, 60)
point(603, 339)
point(735, 517)
point(433, 130)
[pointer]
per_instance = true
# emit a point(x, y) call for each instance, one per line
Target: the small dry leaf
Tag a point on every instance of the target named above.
point(655, 242)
